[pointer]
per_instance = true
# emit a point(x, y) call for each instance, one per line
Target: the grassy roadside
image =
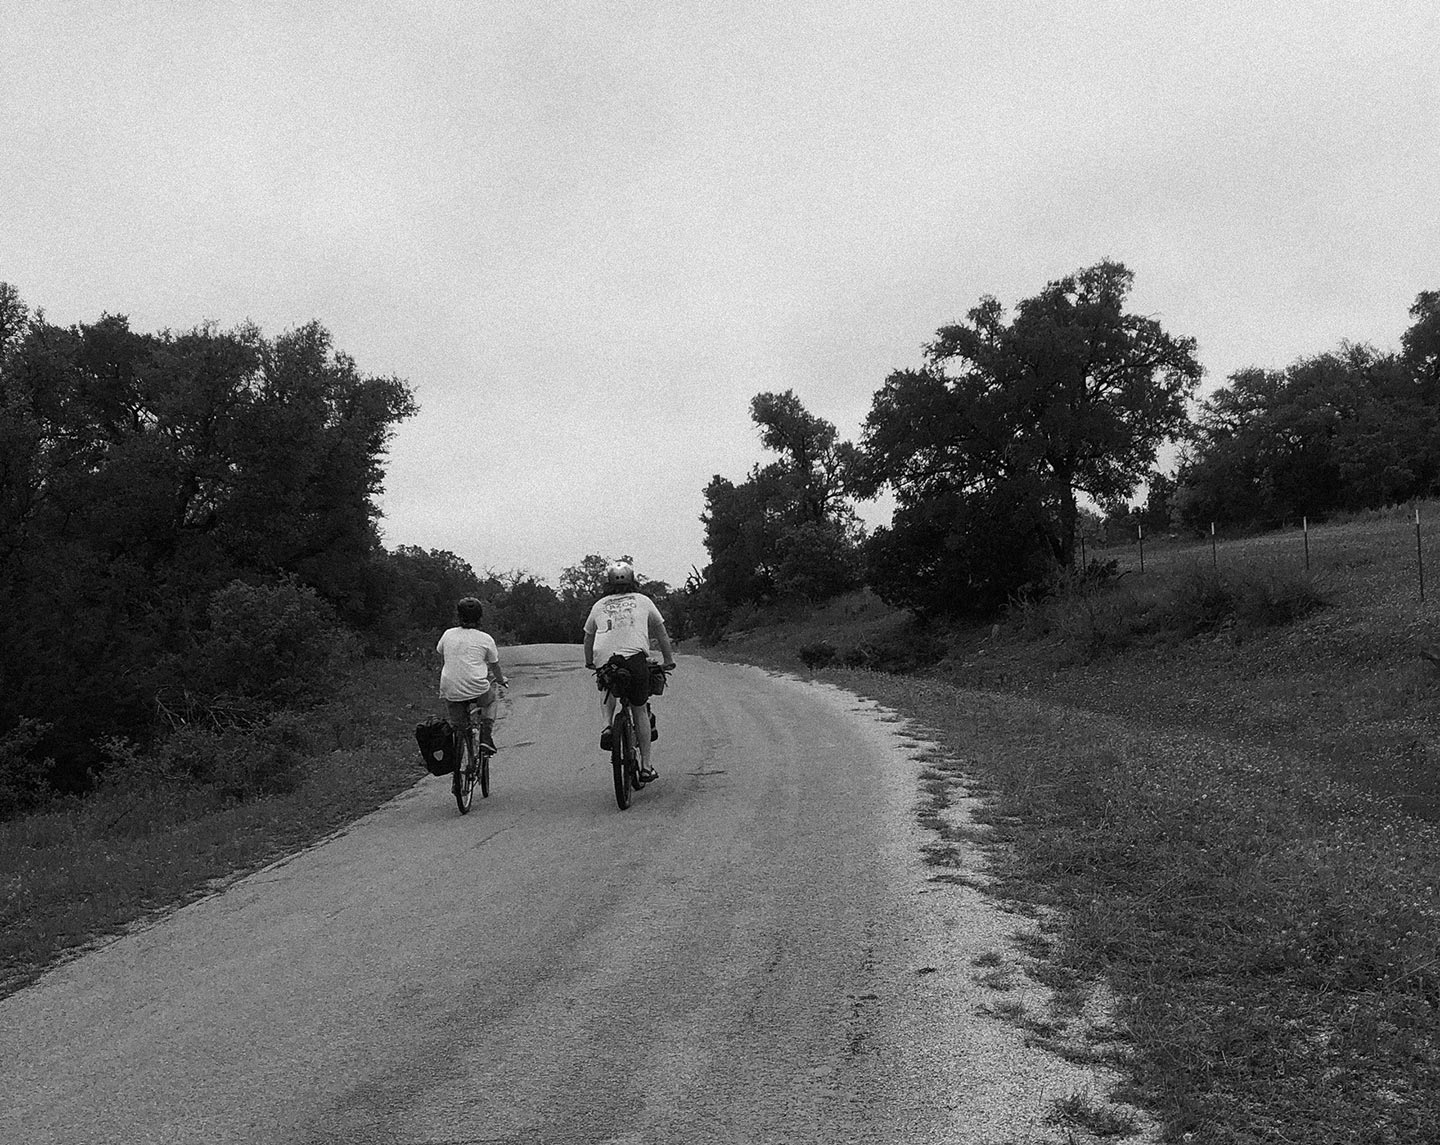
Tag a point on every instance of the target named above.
point(1272, 936)
point(1232, 826)
point(76, 873)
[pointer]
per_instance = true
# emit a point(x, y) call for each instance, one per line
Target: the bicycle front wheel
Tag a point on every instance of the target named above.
point(618, 738)
point(465, 776)
point(485, 773)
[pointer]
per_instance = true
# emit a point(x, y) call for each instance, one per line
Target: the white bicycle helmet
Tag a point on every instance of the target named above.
point(620, 577)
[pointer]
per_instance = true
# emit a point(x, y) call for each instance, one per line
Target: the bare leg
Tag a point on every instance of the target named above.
point(485, 709)
point(642, 733)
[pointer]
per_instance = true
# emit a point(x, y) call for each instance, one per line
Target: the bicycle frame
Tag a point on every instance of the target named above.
point(624, 746)
point(473, 767)
point(624, 755)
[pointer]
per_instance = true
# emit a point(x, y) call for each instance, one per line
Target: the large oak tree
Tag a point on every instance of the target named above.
point(990, 445)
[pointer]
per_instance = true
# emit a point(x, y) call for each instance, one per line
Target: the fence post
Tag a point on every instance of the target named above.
point(1214, 556)
point(1140, 533)
point(1305, 525)
point(1419, 554)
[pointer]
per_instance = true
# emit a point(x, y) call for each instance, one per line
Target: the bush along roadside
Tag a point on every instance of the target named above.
point(1095, 620)
point(1271, 935)
point(213, 800)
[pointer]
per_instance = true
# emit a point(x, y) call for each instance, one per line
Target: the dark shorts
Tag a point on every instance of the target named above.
point(458, 711)
point(636, 690)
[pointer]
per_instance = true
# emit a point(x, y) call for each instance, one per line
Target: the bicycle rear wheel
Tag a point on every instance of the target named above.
point(618, 764)
point(465, 776)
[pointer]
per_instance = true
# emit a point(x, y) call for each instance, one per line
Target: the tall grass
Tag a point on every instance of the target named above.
point(1109, 617)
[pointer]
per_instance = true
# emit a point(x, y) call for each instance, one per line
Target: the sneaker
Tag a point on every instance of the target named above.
point(605, 738)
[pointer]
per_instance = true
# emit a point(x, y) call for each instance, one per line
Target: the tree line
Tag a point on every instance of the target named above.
point(1021, 433)
point(189, 542)
point(189, 533)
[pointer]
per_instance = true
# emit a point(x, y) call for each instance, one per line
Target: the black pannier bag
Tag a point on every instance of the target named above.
point(657, 679)
point(613, 676)
point(437, 745)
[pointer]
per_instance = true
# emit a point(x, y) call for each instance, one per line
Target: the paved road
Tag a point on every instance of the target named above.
point(745, 955)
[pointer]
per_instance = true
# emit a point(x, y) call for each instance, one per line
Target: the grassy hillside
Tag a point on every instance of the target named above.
point(1215, 781)
point(1204, 638)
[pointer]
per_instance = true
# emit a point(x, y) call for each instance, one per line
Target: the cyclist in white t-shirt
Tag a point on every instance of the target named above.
point(621, 626)
point(471, 676)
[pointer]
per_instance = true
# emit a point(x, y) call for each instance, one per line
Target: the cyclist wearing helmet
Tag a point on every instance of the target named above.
point(471, 676)
point(620, 627)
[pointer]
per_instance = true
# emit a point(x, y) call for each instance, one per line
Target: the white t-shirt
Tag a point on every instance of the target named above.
point(621, 624)
point(468, 655)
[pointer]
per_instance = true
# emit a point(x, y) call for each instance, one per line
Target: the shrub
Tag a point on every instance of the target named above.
point(238, 764)
point(24, 775)
point(1102, 623)
point(277, 643)
point(1100, 620)
point(957, 555)
point(1029, 616)
point(816, 562)
point(817, 655)
point(1199, 601)
point(1097, 572)
point(909, 652)
point(1272, 597)
point(1265, 596)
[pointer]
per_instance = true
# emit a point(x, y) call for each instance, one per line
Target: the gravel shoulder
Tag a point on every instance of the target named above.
point(1007, 1083)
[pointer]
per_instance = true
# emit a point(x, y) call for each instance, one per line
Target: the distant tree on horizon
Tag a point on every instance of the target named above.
point(1352, 428)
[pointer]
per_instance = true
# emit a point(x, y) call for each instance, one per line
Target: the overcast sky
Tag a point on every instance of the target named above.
point(588, 233)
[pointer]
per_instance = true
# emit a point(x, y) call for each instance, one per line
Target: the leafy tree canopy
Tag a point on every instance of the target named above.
point(1349, 429)
point(142, 476)
point(1072, 396)
point(788, 529)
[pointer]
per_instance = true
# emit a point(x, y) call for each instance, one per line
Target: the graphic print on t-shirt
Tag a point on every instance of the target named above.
point(619, 612)
point(621, 624)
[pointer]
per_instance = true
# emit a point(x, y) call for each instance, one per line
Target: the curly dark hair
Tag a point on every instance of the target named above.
point(469, 610)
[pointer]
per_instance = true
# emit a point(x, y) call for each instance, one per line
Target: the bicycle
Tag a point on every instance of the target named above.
point(472, 768)
point(624, 741)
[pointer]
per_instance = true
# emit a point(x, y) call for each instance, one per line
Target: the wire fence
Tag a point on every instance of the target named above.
point(1402, 544)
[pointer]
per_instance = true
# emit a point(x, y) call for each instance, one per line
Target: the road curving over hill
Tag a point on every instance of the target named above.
point(754, 952)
